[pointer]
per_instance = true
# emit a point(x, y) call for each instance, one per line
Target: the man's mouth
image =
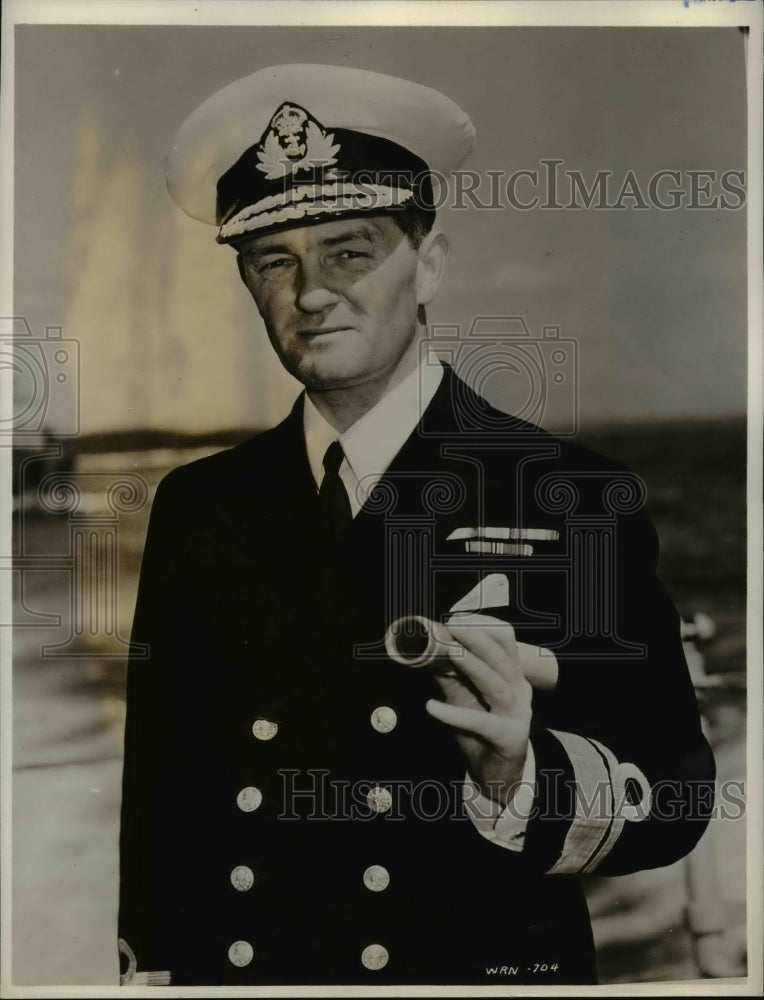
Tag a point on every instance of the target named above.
point(321, 330)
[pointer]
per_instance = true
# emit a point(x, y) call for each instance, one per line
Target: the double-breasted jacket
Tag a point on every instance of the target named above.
point(292, 814)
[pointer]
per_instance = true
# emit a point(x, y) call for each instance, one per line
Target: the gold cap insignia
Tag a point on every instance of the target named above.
point(294, 141)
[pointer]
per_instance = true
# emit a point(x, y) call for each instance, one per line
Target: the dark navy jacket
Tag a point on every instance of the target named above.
point(243, 623)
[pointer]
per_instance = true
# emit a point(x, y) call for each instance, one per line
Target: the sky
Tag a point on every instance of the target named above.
point(650, 304)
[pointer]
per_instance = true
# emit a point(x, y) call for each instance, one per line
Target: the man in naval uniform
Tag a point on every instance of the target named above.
point(299, 806)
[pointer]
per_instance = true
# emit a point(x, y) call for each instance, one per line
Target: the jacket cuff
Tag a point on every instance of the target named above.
point(584, 799)
point(129, 975)
point(602, 808)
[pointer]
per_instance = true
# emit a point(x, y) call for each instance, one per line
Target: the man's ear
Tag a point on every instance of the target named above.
point(433, 257)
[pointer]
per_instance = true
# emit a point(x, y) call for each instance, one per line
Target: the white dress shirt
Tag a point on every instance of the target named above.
point(373, 441)
point(370, 445)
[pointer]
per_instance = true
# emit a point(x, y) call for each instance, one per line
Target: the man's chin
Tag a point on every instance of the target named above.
point(327, 381)
point(325, 377)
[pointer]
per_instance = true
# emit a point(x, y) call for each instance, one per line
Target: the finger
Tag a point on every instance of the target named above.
point(501, 731)
point(482, 640)
point(457, 691)
point(473, 636)
point(489, 683)
point(539, 666)
point(468, 720)
point(500, 631)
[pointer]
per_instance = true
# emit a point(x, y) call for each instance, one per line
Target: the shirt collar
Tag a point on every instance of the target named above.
point(373, 441)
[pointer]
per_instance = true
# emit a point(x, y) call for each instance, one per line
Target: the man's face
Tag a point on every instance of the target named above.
point(339, 299)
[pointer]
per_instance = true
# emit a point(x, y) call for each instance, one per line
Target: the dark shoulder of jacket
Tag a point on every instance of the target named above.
point(570, 453)
point(225, 466)
point(594, 475)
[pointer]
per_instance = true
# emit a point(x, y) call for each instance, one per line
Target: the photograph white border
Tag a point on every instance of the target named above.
point(640, 13)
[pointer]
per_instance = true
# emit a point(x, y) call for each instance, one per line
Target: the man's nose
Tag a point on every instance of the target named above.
point(314, 293)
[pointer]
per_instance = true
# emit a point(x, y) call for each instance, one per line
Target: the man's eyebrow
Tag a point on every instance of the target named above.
point(329, 241)
point(269, 248)
point(364, 234)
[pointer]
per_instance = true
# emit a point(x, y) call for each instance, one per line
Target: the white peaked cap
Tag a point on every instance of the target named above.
point(232, 121)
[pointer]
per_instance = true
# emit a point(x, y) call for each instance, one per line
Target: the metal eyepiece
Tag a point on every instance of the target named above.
point(416, 641)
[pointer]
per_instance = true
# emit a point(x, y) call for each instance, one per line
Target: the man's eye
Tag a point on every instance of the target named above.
point(352, 254)
point(274, 265)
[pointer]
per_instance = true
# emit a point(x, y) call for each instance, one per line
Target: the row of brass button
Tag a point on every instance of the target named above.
point(384, 719)
point(376, 878)
point(379, 798)
point(373, 956)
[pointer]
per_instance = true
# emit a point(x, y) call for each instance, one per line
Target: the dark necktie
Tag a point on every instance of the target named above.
point(332, 497)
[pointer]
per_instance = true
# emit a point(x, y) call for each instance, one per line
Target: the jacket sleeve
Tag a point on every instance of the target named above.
point(165, 769)
point(625, 777)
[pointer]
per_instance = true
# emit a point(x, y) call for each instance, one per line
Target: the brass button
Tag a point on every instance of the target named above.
point(264, 729)
point(249, 799)
point(242, 878)
point(241, 953)
point(376, 878)
point(384, 719)
point(375, 956)
point(380, 799)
